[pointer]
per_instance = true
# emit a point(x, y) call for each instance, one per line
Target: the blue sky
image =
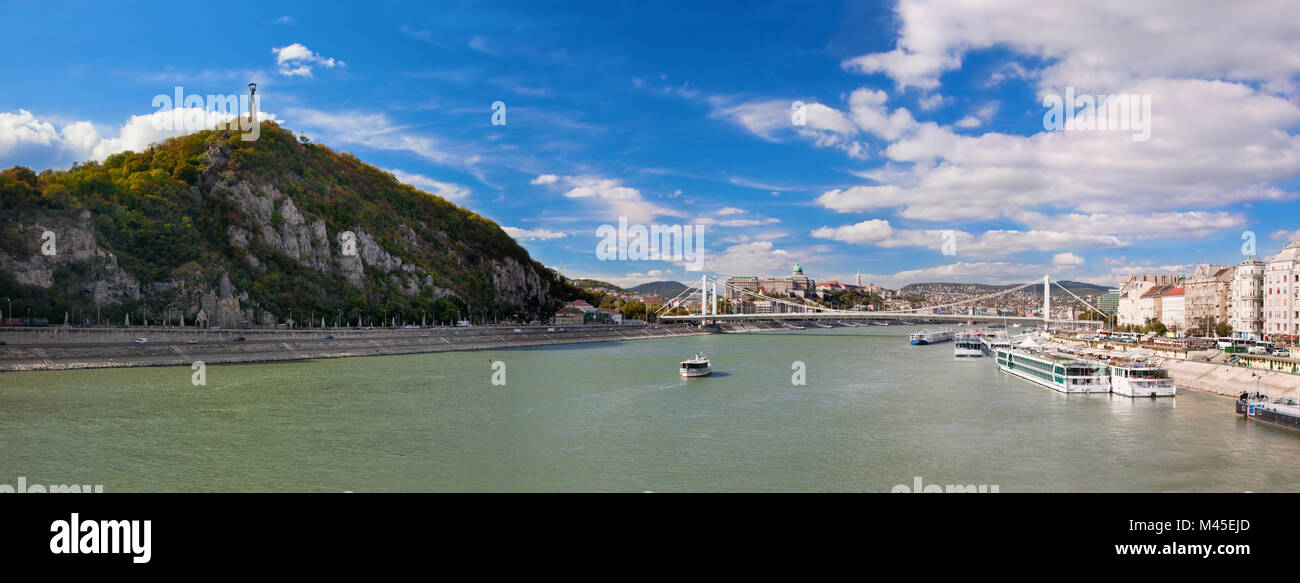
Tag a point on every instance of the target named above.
point(924, 122)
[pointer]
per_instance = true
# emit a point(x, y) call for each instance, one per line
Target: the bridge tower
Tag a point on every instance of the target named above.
point(704, 297)
point(713, 303)
point(1047, 300)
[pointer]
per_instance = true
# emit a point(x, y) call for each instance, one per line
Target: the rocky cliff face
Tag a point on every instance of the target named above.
point(262, 229)
point(67, 241)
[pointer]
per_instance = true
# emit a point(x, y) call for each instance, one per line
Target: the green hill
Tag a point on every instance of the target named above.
point(596, 284)
point(252, 233)
point(667, 289)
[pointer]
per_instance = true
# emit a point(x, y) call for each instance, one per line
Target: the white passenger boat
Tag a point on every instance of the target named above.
point(931, 336)
point(1140, 378)
point(990, 343)
point(968, 346)
point(1059, 372)
point(698, 366)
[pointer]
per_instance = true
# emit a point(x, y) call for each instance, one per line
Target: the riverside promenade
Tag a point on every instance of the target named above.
point(29, 349)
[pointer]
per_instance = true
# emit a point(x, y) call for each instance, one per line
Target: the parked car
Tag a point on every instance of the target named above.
point(518, 331)
point(329, 336)
point(239, 339)
point(550, 329)
point(141, 340)
point(192, 341)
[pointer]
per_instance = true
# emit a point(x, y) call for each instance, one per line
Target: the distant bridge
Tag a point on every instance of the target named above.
point(806, 311)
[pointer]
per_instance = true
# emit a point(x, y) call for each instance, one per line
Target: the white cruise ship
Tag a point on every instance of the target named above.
point(1138, 378)
point(1059, 372)
point(931, 336)
point(967, 346)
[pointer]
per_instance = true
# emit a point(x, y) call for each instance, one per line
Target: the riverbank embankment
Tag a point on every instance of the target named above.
point(82, 348)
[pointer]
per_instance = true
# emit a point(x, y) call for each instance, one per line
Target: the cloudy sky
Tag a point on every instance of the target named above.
point(920, 153)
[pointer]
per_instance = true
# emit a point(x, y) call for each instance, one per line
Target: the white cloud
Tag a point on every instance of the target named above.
point(735, 222)
point(905, 67)
point(296, 60)
point(729, 210)
point(994, 243)
point(871, 231)
point(614, 198)
point(374, 130)
point(23, 128)
point(23, 136)
point(447, 190)
point(824, 126)
point(860, 198)
point(1110, 43)
point(997, 272)
point(869, 112)
point(533, 234)
point(1203, 152)
point(755, 258)
point(1285, 236)
point(1159, 225)
point(479, 44)
point(982, 116)
point(1066, 260)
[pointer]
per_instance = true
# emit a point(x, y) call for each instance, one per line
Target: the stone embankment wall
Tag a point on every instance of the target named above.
point(66, 349)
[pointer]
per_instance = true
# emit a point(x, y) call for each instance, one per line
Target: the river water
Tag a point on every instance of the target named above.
point(874, 413)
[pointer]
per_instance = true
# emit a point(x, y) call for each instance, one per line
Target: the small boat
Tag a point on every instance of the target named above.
point(1283, 412)
point(698, 366)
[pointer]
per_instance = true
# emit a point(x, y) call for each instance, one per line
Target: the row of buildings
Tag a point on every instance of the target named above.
point(579, 312)
point(740, 290)
point(1256, 297)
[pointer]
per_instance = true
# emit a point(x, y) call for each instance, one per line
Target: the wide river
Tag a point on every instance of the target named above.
point(874, 413)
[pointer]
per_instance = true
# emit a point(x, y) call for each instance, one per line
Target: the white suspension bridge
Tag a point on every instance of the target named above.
point(802, 310)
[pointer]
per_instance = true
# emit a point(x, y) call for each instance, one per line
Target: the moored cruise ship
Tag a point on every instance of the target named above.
point(1059, 372)
point(990, 343)
point(931, 336)
point(967, 346)
point(1137, 378)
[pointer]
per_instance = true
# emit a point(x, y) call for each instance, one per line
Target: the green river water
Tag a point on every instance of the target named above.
point(875, 412)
